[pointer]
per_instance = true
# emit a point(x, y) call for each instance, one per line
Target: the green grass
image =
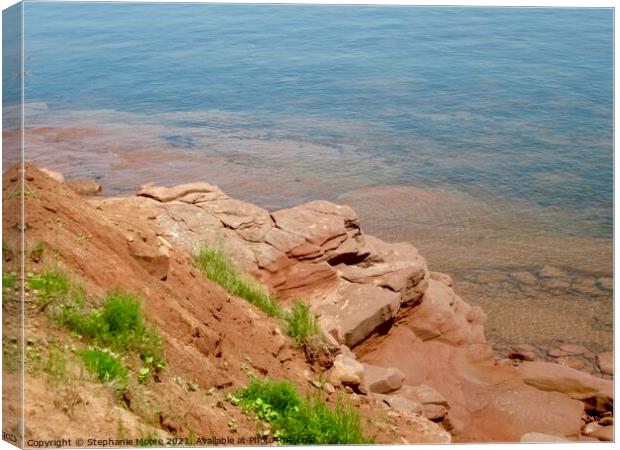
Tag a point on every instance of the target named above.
point(14, 193)
point(118, 325)
point(8, 280)
point(105, 367)
point(298, 420)
point(50, 284)
point(301, 323)
point(218, 267)
point(11, 356)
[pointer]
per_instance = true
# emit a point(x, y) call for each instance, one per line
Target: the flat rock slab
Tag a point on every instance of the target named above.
point(443, 315)
point(403, 404)
point(54, 175)
point(315, 227)
point(84, 186)
point(567, 350)
point(551, 272)
point(605, 362)
point(424, 394)
point(603, 433)
point(167, 194)
point(346, 371)
point(515, 412)
point(382, 380)
point(356, 311)
point(578, 385)
point(532, 438)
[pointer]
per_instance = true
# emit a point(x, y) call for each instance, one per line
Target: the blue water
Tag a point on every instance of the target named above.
point(515, 103)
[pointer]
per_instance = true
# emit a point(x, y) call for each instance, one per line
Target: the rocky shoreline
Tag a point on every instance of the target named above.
point(403, 335)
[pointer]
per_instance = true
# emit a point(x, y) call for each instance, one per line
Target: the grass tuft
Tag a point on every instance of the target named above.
point(50, 284)
point(301, 323)
point(218, 267)
point(119, 326)
point(296, 420)
point(105, 367)
point(8, 280)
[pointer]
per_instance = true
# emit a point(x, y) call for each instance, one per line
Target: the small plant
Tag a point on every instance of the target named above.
point(11, 356)
point(105, 367)
point(14, 193)
point(301, 323)
point(8, 280)
point(50, 284)
point(118, 325)
point(297, 420)
point(218, 267)
point(316, 423)
point(143, 375)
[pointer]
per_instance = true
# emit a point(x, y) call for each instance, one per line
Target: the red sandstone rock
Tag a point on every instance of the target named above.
point(605, 362)
point(606, 283)
point(54, 175)
point(443, 315)
point(249, 221)
point(84, 186)
point(442, 278)
point(438, 339)
point(567, 350)
point(305, 279)
point(156, 260)
point(551, 272)
point(575, 384)
point(604, 433)
point(573, 363)
point(524, 278)
point(346, 371)
point(167, 194)
point(356, 311)
point(382, 380)
point(532, 438)
point(397, 267)
point(402, 404)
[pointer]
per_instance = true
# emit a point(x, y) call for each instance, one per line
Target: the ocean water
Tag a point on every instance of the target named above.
point(503, 115)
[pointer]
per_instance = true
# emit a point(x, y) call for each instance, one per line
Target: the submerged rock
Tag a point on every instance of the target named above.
point(605, 362)
point(524, 278)
point(532, 438)
point(567, 350)
point(551, 272)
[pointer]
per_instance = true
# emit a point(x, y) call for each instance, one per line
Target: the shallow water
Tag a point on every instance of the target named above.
point(482, 135)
